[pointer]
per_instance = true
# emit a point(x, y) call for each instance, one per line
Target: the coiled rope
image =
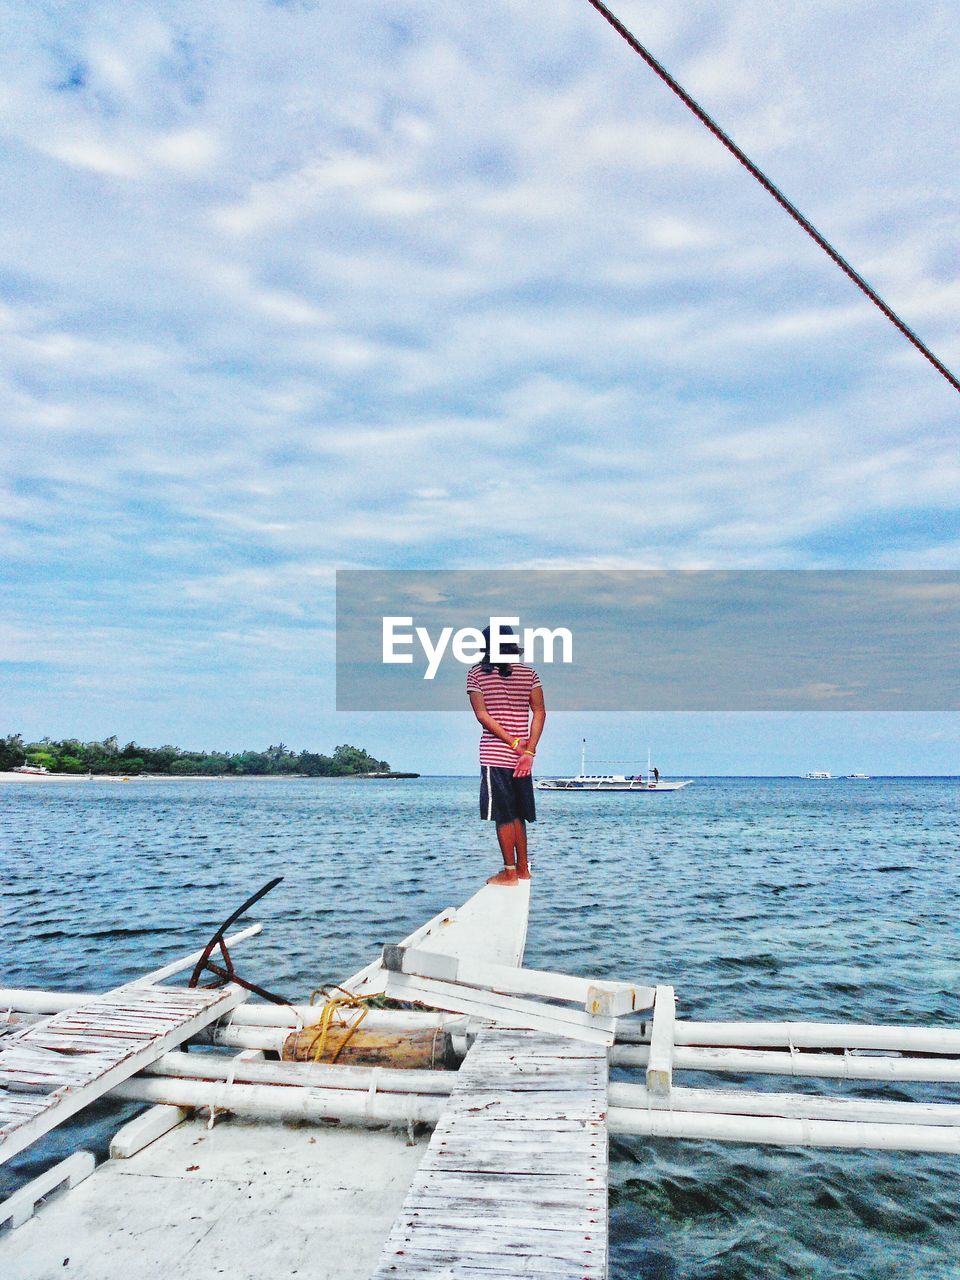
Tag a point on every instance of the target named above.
point(773, 190)
point(343, 1010)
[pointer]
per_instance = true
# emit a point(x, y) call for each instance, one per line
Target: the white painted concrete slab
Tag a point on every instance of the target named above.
point(490, 926)
point(241, 1200)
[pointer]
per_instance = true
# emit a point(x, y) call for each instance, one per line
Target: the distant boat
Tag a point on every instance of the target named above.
point(819, 775)
point(860, 776)
point(650, 781)
point(380, 774)
point(30, 768)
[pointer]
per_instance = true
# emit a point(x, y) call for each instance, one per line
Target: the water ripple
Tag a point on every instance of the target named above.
point(756, 899)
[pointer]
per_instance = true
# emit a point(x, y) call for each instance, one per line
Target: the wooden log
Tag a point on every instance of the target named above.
point(430, 1049)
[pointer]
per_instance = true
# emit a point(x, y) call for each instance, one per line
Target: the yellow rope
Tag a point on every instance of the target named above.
point(334, 1009)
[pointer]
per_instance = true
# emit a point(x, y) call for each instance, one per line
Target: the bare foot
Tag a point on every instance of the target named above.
point(507, 876)
point(523, 873)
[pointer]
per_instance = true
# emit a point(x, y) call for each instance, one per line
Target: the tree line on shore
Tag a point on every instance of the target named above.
point(108, 757)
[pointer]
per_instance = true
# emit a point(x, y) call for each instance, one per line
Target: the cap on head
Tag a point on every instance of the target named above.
point(508, 642)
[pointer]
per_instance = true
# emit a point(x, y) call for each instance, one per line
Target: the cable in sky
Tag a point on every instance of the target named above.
point(777, 194)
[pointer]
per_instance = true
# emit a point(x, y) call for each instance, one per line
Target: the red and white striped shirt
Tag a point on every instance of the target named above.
point(507, 700)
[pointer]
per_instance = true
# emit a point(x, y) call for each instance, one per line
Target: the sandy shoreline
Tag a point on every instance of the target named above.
point(7, 775)
point(10, 776)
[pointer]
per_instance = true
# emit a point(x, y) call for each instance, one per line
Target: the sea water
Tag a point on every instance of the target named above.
point(755, 898)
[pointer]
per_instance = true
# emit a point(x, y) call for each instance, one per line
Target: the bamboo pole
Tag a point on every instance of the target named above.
point(297, 1102)
point(229, 1036)
point(630, 1031)
point(799, 1035)
point(287, 1017)
point(770, 1062)
point(307, 1015)
point(208, 1066)
point(802, 1106)
point(286, 1102)
point(779, 1131)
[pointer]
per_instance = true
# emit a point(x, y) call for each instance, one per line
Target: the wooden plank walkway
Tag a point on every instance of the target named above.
point(514, 1182)
point(57, 1066)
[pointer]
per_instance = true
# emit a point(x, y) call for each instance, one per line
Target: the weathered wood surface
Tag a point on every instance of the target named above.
point(431, 1048)
point(514, 1182)
point(65, 1062)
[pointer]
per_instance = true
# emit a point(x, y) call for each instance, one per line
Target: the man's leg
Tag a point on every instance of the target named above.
point(520, 844)
point(507, 836)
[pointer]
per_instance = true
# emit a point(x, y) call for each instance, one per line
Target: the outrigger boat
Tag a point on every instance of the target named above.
point(640, 782)
point(289, 1142)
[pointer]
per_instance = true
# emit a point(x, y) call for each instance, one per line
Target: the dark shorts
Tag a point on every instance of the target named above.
point(504, 798)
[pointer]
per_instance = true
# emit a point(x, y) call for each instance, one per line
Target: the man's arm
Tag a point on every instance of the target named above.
point(539, 717)
point(487, 720)
point(528, 749)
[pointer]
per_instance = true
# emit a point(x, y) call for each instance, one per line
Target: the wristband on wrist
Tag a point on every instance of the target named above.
point(528, 752)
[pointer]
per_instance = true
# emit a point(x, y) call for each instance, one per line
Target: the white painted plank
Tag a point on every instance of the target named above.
point(660, 1062)
point(567, 1192)
point(19, 1208)
point(144, 1129)
point(617, 1000)
point(491, 926)
point(512, 1010)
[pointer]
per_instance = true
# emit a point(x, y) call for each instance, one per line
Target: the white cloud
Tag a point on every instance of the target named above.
point(287, 290)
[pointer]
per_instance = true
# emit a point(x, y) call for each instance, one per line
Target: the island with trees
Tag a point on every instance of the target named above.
point(108, 758)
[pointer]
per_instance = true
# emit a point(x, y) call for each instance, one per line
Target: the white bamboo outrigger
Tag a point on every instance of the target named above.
point(514, 1176)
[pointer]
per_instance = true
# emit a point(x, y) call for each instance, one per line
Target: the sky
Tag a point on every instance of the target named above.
point(286, 288)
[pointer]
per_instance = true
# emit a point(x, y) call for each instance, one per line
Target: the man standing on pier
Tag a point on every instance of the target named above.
point(503, 696)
